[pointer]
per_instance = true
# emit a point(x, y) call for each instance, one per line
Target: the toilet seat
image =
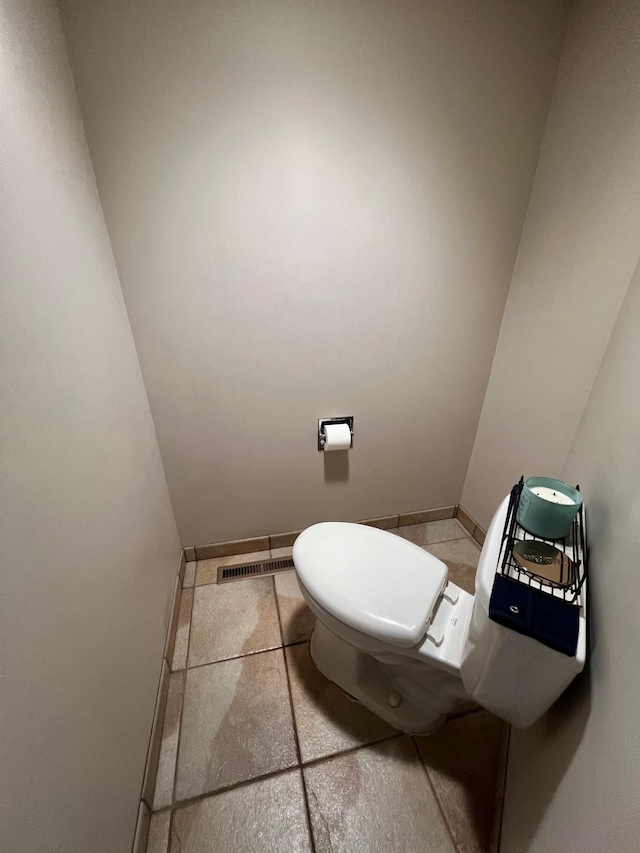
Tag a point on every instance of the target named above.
point(371, 580)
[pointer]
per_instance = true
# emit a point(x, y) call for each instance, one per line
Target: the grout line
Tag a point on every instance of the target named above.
point(160, 811)
point(243, 783)
point(183, 674)
point(290, 696)
point(273, 773)
point(461, 714)
point(235, 657)
point(314, 761)
point(288, 646)
point(184, 696)
point(295, 643)
point(498, 813)
point(296, 738)
point(434, 792)
point(239, 657)
point(170, 829)
point(307, 809)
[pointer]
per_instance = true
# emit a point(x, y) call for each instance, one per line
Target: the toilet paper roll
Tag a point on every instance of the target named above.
point(338, 437)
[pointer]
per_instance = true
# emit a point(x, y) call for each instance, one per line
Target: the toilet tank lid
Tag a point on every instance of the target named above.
point(371, 580)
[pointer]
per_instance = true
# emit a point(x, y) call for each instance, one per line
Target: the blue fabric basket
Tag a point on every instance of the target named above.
point(536, 614)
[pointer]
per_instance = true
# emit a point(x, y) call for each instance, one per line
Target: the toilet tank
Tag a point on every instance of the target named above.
point(514, 676)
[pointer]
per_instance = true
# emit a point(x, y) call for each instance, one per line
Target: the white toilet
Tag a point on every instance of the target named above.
point(396, 635)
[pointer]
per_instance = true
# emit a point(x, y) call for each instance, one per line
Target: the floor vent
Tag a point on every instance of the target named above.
point(251, 570)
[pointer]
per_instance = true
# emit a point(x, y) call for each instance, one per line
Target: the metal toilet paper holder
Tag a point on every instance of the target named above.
point(323, 422)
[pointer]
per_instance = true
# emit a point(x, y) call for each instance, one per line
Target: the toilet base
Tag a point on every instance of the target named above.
point(409, 695)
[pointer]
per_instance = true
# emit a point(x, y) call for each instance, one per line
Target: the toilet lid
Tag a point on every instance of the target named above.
point(371, 580)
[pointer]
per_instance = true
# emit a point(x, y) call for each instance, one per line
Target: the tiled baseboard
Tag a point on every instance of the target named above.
point(233, 546)
point(477, 532)
point(285, 540)
point(155, 740)
point(142, 828)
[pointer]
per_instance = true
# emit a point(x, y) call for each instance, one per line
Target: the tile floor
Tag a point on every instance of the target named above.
point(261, 753)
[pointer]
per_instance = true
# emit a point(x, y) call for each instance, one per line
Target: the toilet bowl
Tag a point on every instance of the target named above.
point(394, 633)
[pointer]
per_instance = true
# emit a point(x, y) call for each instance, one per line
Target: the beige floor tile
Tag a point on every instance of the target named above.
point(432, 531)
point(163, 794)
point(296, 619)
point(190, 574)
point(461, 557)
point(375, 799)
point(181, 646)
point(207, 570)
point(159, 832)
point(462, 762)
point(265, 817)
point(233, 619)
point(326, 719)
point(236, 724)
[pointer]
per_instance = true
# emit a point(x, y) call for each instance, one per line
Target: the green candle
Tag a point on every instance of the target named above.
point(547, 507)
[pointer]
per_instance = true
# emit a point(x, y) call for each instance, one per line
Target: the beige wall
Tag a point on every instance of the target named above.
point(571, 408)
point(315, 209)
point(89, 544)
point(579, 248)
point(574, 779)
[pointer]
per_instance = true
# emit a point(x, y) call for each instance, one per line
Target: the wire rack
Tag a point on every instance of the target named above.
point(570, 585)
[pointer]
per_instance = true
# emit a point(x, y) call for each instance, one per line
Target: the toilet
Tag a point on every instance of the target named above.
point(398, 636)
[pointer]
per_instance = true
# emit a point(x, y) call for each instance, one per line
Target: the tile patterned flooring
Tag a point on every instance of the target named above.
point(261, 753)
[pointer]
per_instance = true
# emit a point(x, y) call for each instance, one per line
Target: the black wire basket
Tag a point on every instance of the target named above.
point(572, 579)
point(531, 600)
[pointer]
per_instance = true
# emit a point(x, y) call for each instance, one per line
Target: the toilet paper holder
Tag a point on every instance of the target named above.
point(323, 422)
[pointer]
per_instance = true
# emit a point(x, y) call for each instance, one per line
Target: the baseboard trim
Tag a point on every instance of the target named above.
point(173, 619)
point(141, 834)
point(182, 565)
point(233, 546)
point(471, 525)
point(285, 540)
point(422, 516)
point(155, 738)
